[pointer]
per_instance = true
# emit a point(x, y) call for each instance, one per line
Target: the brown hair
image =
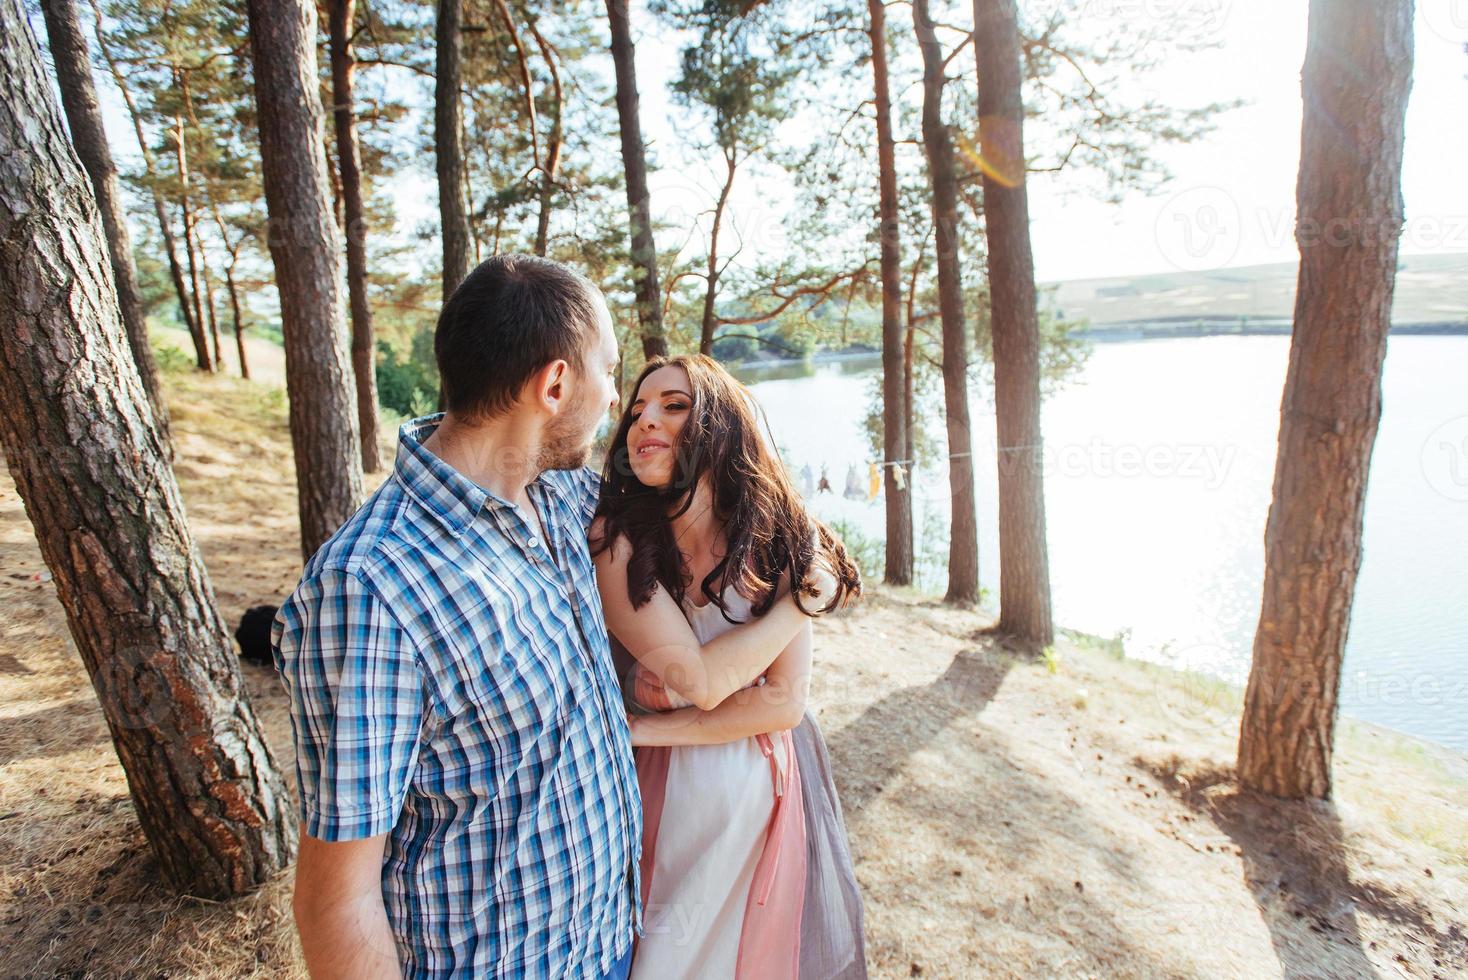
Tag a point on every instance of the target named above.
point(509, 318)
point(770, 533)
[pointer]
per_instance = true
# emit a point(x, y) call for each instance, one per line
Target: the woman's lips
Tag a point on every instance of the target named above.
point(650, 446)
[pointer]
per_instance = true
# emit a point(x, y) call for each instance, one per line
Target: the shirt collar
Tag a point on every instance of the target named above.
point(450, 496)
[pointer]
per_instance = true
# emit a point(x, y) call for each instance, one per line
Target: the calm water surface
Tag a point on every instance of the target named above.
point(1159, 469)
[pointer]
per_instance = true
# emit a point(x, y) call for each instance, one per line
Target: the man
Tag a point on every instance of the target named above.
point(469, 801)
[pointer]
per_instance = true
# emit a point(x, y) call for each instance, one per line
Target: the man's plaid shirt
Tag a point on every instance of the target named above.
point(451, 683)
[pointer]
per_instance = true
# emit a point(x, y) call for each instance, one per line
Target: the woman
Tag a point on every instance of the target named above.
point(746, 872)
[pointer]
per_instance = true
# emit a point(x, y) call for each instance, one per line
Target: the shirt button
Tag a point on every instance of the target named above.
point(533, 542)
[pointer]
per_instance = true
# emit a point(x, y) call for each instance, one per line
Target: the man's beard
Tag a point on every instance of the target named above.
point(567, 446)
point(565, 455)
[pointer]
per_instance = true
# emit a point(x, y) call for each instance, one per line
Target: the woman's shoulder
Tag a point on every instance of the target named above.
point(618, 550)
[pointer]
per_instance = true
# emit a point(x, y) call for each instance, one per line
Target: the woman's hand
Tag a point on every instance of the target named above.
point(664, 727)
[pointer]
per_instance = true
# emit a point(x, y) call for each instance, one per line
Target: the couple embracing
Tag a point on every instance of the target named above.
point(550, 723)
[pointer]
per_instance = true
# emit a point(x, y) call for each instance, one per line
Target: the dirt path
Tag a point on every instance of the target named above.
point(1009, 819)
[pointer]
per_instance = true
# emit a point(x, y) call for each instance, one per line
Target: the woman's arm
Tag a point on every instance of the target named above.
point(659, 637)
point(777, 705)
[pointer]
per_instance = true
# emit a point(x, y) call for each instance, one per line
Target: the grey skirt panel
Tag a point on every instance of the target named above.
point(831, 938)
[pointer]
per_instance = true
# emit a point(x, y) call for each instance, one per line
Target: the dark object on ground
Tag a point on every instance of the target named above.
point(253, 634)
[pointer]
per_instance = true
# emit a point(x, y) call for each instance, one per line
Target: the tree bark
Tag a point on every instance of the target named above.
point(84, 117)
point(1024, 563)
point(899, 557)
point(711, 285)
point(91, 467)
point(963, 543)
point(1357, 74)
point(639, 201)
point(209, 306)
point(551, 168)
point(448, 145)
point(303, 248)
point(349, 162)
point(238, 321)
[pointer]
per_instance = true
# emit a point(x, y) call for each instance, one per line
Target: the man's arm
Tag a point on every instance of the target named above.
point(357, 699)
point(659, 637)
point(339, 912)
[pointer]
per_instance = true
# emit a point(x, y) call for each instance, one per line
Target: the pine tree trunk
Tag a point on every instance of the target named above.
point(556, 145)
point(201, 339)
point(84, 117)
point(711, 284)
point(963, 543)
point(237, 319)
point(448, 146)
point(160, 212)
point(639, 201)
point(303, 248)
point(1024, 563)
point(209, 306)
point(91, 467)
point(1358, 71)
point(898, 569)
point(349, 157)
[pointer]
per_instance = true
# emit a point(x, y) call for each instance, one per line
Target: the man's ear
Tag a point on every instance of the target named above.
point(551, 386)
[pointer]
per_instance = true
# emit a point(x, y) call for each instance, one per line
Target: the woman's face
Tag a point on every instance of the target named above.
point(658, 412)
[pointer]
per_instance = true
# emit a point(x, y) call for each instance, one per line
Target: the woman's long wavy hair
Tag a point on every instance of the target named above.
point(769, 532)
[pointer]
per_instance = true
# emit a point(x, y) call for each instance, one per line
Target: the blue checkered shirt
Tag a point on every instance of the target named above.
point(451, 684)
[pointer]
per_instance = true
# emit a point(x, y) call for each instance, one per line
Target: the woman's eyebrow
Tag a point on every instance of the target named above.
point(670, 391)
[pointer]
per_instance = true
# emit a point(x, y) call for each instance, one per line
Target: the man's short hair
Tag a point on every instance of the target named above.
point(507, 319)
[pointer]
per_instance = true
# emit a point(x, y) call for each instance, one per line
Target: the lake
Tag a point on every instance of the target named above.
point(1159, 471)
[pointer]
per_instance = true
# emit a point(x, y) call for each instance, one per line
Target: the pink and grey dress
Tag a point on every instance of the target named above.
point(746, 870)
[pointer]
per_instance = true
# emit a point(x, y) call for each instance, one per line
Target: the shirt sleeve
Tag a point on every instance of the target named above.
point(585, 493)
point(357, 696)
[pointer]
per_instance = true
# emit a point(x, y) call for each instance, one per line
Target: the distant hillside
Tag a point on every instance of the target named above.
point(1431, 290)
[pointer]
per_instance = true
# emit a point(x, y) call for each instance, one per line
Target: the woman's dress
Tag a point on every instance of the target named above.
point(746, 872)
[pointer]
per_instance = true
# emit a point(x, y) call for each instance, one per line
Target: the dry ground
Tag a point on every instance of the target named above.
point(1070, 818)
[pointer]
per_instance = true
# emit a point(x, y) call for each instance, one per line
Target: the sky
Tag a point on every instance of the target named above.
point(1234, 190)
point(1231, 200)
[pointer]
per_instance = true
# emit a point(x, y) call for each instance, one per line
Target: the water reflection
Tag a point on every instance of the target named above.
point(1159, 473)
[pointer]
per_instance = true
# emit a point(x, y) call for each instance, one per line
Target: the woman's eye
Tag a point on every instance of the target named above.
point(634, 416)
point(675, 406)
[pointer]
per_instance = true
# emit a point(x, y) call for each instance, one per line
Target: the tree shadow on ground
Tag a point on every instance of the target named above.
point(924, 711)
point(1296, 867)
point(49, 732)
point(1033, 844)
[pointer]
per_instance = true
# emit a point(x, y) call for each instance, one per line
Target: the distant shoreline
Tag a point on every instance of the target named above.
point(1154, 328)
